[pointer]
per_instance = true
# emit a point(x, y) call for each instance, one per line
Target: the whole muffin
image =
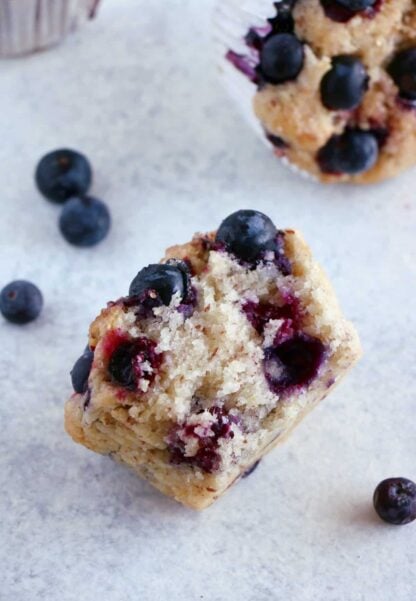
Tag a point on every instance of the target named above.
point(332, 82)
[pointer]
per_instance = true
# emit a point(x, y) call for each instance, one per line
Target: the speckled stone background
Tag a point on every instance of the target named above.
point(137, 92)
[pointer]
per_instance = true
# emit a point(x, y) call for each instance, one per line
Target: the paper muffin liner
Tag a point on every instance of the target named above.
point(233, 20)
point(30, 25)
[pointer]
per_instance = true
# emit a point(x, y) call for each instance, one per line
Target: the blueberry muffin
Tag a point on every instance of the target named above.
point(333, 81)
point(211, 359)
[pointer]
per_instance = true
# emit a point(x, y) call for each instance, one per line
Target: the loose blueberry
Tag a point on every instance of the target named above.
point(134, 360)
point(164, 279)
point(352, 152)
point(21, 302)
point(84, 221)
point(247, 234)
point(403, 71)
point(294, 362)
point(81, 371)
point(343, 87)
point(395, 501)
point(62, 174)
point(281, 58)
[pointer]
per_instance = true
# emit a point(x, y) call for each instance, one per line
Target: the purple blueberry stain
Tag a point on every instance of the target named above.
point(255, 36)
point(330, 382)
point(260, 313)
point(281, 260)
point(293, 363)
point(406, 105)
point(206, 435)
point(245, 64)
point(189, 303)
point(131, 360)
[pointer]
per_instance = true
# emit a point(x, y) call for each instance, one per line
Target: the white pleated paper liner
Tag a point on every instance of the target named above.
point(233, 19)
point(30, 25)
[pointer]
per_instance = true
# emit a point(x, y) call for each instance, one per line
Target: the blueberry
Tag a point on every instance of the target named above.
point(21, 302)
point(165, 279)
point(356, 5)
point(84, 221)
point(403, 71)
point(260, 314)
point(121, 366)
point(294, 362)
point(62, 174)
point(352, 152)
point(277, 141)
point(342, 11)
point(81, 371)
point(283, 21)
point(247, 234)
point(395, 501)
point(281, 58)
point(131, 360)
point(343, 87)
